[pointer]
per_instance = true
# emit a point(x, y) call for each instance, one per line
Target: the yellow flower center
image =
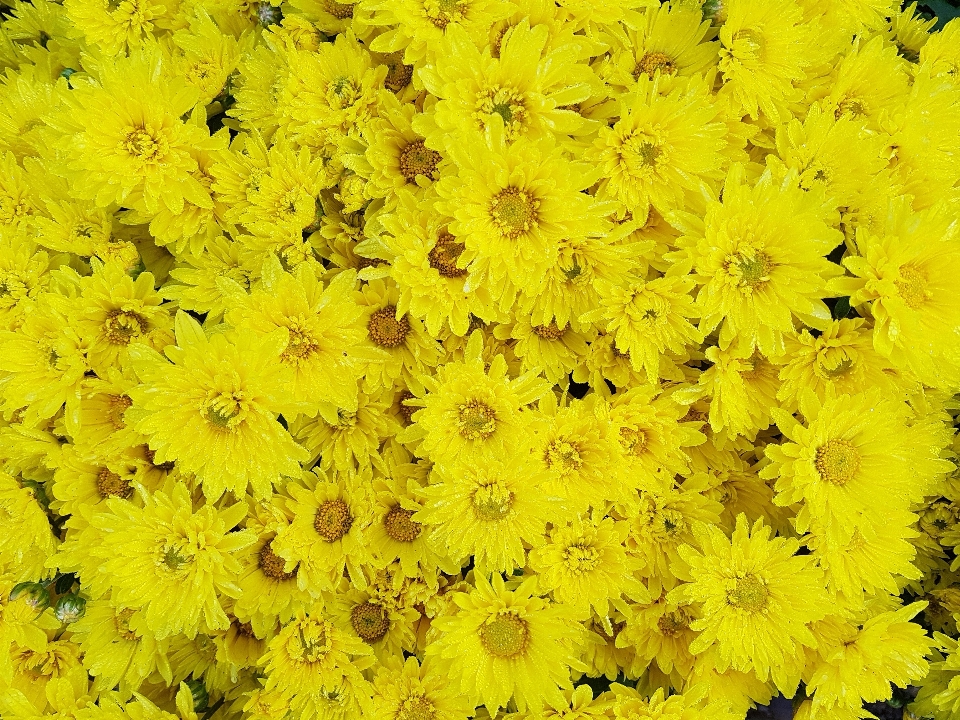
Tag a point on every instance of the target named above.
point(417, 159)
point(750, 268)
point(443, 12)
point(116, 406)
point(343, 92)
point(272, 565)
point(633, 440)
point(671, 624)
point(310, 643)
point(581, 558)
point(385, 330)
point(341, 11)
point(143, 145)
point(514, 212)
point(122, 326)
point(549, 332)
point(653, 61)
point(476, 420)
point(837, 461)
point(505, 636)
point(912, 286)
point(492, 501)
point(109, 484)
point(562, 456)
point(416, 707)
point(300, 345)
point(854, 107)
point(505, 102)
point(749, 593)
point(400, 527)
point(225, 411)
point(333, 520)
point(398, 74)
point(370, 621)
point(121, 621)
point(833, 363)
point(443, 256)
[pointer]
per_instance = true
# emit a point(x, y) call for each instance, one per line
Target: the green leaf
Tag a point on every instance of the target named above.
point(944, 11)
point(842, 308)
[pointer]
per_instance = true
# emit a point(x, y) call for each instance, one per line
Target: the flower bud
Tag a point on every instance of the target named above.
point(33, 594)
point(70, 608)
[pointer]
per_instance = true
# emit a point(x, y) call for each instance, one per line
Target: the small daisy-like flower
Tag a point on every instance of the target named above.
point(857, 456)
point(490, 511)
point(212, 409)
point(113, 27)
point(761, 261)
point(327, 534)
point(115, 311)
point(905, 273)
point(385, 623)
point(309, 658)
point(940, 55)
point(648, 319)
point(150, 554)
point(512, 202)
point(660, 632)
point(584, 565)
point(526, 85)
point(552, 349)
point(762, 53)
point(195, 279)
point(410, 692)
point(471, 411)
point(501, 644)
point(23, 276)
point(756, 599)
point(665, 148)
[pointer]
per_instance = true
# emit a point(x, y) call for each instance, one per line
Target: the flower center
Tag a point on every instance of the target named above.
point(476, 420)
point(748, 594)
point(833, 363)
point(912, 286)
point(272, 565)
point(333, 520)
point(653, 61)
point(514, 212)
point(750, 268)
point(562, 456)
point(837, 461)
point(121, 326)
point(854, 107)
point(116, 406)
point(506, 636)
point(443, 256)
point(633, 440)
point(581, 558)
point(549, 332)
point(443, 12)
point(175, 557)
point(385, 330)
point(122, 622)
point(310, 643)
point(398, 74)
point(400, 527)
point(109, 484)
point(370, 621)
point(406, 411)
point(341, 11)
point(492, 501)
point(671, 624)
point(416, 707)
point(505, 102)
point(224, 411)
point(141, 144)
point(300, 345)
point(417, 159)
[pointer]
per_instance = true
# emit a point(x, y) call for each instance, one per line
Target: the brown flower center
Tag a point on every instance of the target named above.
point(506, 636)
point(550, 332)
point(272, 564)
point(109, 484)
point(400, 527)
point(476, 420)
point(122, 326)
point(116, 406)
point(385, 330)
point(333, 520)
point(443, 256)
point(749, 594)
point(837, 461)
point(653, 61)
point(370, 621)
point(417, 159)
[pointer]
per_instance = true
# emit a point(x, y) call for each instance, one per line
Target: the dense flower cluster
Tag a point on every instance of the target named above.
point(436, 359)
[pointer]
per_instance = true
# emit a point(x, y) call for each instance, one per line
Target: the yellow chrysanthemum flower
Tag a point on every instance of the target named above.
point(504, 643)
point(756, 600)
point(211, 406)
point(410, 691)
point(27, 539)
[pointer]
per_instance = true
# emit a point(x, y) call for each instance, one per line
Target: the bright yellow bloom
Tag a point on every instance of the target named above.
point(409, 692)
point(211, 406)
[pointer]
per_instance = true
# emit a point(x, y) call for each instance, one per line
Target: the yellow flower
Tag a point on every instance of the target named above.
point(114, 27)
point(526, 84)
point(628, 703)
point(550, 349)
point(648, 319)
point(905, 273)
point(208, 56)
point(322, 356)
point(940, 55)
point(123, 134)
point(668, 147)
point(760, 261)
point(310, 660)
point(743, 389)
point(490, 511)
point(27, 540)
point(505, 643)
point(584, 565)
point(410, 692)
point(762, 54)
point(327, 534)
point(857, 456)
point(197, 285)
point(756, 600)
point(512, 202)
point(24, 274)
point(148, 555)
point(660, 632)
point(471, 412)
